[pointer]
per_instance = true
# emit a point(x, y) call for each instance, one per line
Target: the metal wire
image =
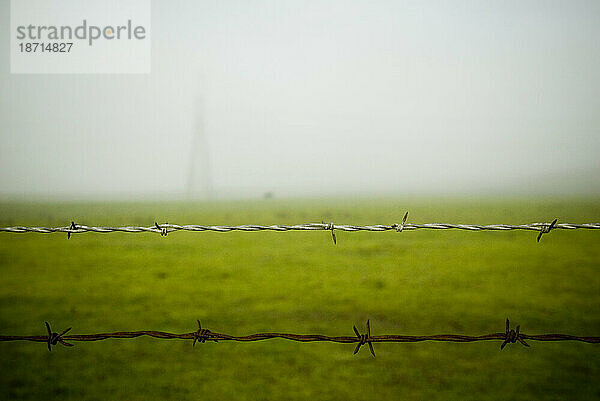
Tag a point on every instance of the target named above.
point(203, 335)
point(164, 229)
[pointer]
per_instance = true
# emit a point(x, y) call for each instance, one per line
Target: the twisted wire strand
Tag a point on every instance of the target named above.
point(305, 337)
point(160, 228)
point(509, 336)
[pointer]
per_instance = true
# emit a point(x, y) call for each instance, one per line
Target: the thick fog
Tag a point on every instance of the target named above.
point(317, 98)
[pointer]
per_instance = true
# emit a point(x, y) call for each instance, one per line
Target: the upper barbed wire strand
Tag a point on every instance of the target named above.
point(164, 229)
point(80, 228)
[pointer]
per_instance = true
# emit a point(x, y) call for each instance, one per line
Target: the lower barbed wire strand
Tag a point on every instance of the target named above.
point(304, 337)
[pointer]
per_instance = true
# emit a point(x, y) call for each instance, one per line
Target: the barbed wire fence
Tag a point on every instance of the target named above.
point(166, 228)
point(203, 335)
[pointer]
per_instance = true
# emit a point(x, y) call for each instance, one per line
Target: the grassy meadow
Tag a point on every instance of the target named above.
point(417, 282)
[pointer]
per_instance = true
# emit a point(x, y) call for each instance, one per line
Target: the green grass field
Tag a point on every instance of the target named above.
point(418, 282)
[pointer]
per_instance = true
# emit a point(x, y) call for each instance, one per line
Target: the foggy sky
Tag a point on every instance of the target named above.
point(307, 98)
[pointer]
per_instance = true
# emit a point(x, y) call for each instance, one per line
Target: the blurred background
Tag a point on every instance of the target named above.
point(286, 112)
point(320, 98)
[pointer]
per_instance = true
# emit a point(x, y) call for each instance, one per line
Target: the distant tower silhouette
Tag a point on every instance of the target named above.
point(199, 179)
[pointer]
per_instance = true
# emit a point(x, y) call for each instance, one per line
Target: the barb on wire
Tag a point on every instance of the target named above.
point(400, 227)
point(54, 338)
point(512, 336)
point(546, 229)
point(73, 227)
point(330, 226)
point(164, 229)
point(364, 339)
point(202, 335)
